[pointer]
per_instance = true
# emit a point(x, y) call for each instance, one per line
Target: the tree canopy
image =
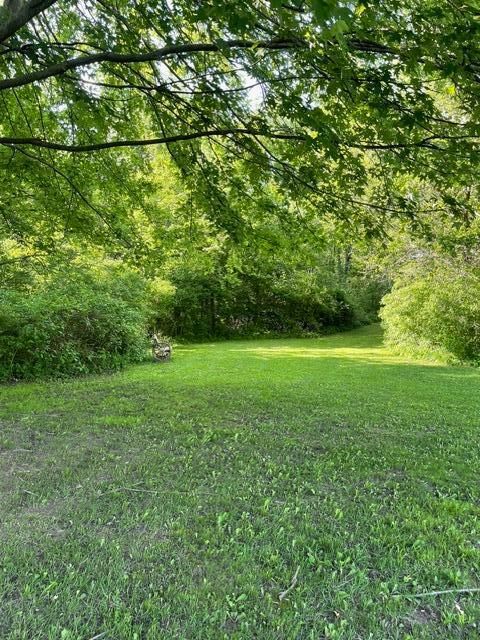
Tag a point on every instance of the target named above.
point(334, 103)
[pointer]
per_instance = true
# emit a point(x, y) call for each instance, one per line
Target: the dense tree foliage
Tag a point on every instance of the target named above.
point(228, 295)
point(320, 97)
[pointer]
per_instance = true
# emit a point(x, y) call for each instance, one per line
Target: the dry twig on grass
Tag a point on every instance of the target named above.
point(293, 584)
point(435, 593)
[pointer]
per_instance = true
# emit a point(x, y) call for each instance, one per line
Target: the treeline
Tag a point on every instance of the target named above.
point(91, 315)
point(282, 300)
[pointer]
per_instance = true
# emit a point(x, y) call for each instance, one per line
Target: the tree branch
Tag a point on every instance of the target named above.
point(15, 18)
point(149, 56)
point(425, 143)
point(85, 148)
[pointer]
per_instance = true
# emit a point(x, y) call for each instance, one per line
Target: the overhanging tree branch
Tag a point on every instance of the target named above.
point(149, 56)
point(280, 44)
point(425, 143)
point(85, 148)
point(17, 14)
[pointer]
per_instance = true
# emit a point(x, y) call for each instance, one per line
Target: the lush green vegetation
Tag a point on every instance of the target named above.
point(241, 290)
point(207, 170)
point(433, 308)
point(180, 500)
point(436, 310)
point(81, 314)
point(437, 313)
point(77, 320)
point(319, 104)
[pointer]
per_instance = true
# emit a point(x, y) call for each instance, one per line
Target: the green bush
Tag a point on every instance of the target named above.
point(83, 321)
point(436, 312)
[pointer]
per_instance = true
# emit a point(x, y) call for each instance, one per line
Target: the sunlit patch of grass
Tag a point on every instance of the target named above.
point(181, 499)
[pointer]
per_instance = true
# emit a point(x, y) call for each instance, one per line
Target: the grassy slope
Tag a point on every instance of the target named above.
point(178, 500)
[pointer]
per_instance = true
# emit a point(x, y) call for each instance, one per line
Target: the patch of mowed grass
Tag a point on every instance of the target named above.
point(179, 500)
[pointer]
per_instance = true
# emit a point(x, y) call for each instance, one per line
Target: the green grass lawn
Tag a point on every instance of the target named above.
point(180, 500)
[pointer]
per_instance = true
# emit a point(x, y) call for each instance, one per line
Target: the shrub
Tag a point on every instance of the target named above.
point(437, 311)
point(83, 321)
